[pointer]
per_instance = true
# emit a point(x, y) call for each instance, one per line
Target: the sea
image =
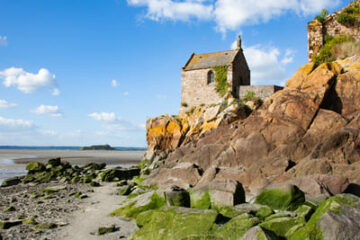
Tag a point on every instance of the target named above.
point(8, 167)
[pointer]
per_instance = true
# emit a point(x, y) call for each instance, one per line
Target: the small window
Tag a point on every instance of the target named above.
point(211, 77)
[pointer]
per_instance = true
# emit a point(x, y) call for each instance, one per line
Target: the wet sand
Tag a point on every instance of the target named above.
point(74, 157)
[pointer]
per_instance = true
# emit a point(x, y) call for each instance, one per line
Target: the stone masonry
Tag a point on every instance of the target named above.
point(261, 91)
point(195, 87)
point(317, 31)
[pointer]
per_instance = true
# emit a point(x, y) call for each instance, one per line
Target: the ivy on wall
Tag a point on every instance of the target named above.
point(221, 80)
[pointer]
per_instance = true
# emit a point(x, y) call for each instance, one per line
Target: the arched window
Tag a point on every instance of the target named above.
point(211, 77)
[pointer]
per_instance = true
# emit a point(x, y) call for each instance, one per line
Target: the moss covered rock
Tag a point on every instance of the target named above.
point(259, 233)
point(111, 175)
point(287, 197)
point(336, 218)
point(200, 199)
point(9, 209)
point(176, 224)
point(35, 167)
point(135, 206)
point(45, 226)
point(177, 197)
point(237, 227)
point(9, 224)
point(283, 226)
point(105, 230)
point(11, 181)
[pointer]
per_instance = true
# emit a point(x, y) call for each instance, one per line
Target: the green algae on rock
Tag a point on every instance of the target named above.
point(105, 230)
point(176, 224)
point(132, 209)
point(287, 198)
point(340, 205)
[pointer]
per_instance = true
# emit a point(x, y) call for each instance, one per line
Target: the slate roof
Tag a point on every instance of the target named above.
point(208, 60)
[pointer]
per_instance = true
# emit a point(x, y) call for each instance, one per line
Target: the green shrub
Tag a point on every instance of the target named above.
point(325, 54)
point(346, 19)
point(349, 16)
point(321, 18)
point(221, 79)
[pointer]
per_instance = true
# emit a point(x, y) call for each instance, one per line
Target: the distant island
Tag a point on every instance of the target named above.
point(98, 147)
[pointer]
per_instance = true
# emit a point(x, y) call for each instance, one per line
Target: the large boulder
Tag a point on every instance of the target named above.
point(216, 194)
point(175, 224)
point(258, 233)
point(336, 218)
point(184, 175)
point(281, 197)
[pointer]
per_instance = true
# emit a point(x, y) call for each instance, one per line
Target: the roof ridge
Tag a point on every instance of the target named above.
point(216, 52)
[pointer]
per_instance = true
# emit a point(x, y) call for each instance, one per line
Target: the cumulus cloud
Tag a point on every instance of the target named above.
point(6, 104)
point(3, 40)
point(114, 123)
point(53, 111)
point(114, 83)
point(229, 14)
point(175, 10)
point(8, 124)
point(265, 64)
point(28, 82)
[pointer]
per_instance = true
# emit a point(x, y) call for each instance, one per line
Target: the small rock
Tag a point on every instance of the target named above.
point(9, 209)
point(11, 181)
point(9, 224)
point(105, 230)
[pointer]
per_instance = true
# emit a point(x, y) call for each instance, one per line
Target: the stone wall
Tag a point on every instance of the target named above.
point(196, 91)
point(261, 91)
point(241, 74)
point(317, 31)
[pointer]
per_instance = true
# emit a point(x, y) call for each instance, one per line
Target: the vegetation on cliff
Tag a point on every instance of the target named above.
point(350, 16)
point(338, 47)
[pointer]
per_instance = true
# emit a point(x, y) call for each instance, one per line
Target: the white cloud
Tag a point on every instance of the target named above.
point(7, 124)
point(288, 57)
point(126, 93)
point(28, 82)
point(3, 40)
point(114, 123)
point(174, 9)
point(55, 92)
point(229, 14)
point(114, 83)
point(53, 111)
point(265, 65)
point(103, 116)
point(6, 104)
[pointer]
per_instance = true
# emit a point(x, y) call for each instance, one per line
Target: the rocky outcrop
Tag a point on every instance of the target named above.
point(166, 133)
point(311, 127)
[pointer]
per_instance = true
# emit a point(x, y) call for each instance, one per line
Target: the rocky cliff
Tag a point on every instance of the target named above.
point(310, 128)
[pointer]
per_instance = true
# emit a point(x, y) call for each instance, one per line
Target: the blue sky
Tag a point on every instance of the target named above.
point(75, 72)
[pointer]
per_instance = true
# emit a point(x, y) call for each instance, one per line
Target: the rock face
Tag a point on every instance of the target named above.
point(166, 133)
point(310, 128)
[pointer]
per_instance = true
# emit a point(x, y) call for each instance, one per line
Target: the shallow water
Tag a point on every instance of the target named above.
point(13, 170)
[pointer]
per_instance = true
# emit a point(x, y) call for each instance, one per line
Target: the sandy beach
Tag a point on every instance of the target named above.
point(72, 156)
